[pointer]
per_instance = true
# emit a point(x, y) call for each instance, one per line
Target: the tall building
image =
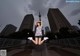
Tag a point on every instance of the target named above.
point(75, 27)
point(27, 22)
point(57, 20)
point(8, 29)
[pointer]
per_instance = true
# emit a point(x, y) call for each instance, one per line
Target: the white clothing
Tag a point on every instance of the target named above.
point(38, 31)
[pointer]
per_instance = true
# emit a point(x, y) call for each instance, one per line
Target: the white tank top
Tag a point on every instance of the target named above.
point(38, 31)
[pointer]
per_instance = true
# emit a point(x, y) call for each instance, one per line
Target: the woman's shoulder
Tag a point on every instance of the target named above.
point(39, 27)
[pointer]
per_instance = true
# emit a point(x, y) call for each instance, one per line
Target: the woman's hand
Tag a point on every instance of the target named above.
point(35, 23)
point(41, 23)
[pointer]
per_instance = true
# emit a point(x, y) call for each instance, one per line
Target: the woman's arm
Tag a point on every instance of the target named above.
point(41, 24)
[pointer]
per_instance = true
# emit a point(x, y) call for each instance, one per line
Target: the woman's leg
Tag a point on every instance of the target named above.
point(41, 41)
point(35, 41)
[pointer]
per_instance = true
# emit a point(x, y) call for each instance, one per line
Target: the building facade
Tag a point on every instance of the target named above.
point(57, 20)
point(27, 22)
point(75, 27)
point(8, 29)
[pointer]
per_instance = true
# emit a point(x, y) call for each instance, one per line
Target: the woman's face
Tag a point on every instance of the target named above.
point(38, 24)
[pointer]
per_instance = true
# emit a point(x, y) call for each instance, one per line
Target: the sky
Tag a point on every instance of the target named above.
point(13, 11)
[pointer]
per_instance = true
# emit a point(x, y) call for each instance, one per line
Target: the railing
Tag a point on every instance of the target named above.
point(68, 42)
point(11, 43)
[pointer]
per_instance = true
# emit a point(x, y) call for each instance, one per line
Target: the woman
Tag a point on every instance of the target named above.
point(38, 34)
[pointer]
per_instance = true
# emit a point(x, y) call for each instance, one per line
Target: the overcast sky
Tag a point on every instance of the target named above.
point(13, 11)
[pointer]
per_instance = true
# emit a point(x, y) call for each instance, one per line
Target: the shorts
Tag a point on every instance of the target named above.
point(38, 36)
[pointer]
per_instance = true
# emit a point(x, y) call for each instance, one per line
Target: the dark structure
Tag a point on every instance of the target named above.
point(47, 29)
point(39, 16)
point(79, 22)
point(27, 22)
point(8, 30)
point(75, 27)
point(57, 20)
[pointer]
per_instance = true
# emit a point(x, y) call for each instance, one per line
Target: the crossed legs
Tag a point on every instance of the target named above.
point(38, 41)
point(35, 41)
